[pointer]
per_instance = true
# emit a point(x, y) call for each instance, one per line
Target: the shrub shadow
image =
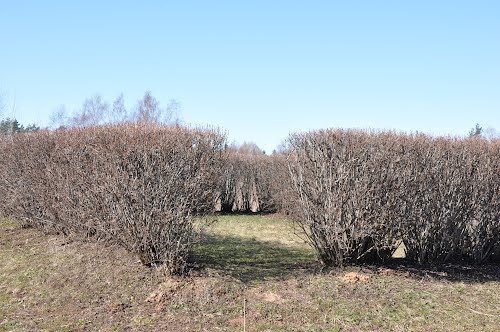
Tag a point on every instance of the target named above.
point(453, 272)
point(250, 260)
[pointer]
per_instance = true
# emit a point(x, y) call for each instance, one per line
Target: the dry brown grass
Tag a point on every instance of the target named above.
point(50, 283)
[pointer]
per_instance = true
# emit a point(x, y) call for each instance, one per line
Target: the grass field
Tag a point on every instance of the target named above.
point(252, 249)
point(53, 283)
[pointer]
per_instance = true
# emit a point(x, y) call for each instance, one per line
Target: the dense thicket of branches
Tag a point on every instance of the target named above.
point(357, 193)
point(250, 183)
point(137, 185)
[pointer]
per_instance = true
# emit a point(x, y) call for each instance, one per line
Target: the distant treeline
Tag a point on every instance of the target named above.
point(10, 126)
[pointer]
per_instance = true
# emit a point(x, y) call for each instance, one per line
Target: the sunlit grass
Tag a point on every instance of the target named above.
point(272, 228)
point(48, 283)
point(253, 248)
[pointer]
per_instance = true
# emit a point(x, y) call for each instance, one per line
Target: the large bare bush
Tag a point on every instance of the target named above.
point(19, 196)
point(341, 181)
point(358, 193)
point(138, 185)
point(449, 202)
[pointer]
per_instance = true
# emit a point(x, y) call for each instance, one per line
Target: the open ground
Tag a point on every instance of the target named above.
point(249, 273)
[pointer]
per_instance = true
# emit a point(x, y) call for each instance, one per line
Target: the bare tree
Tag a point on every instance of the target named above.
point(118, 112)
point(250, 148)
point(93, 112)
point(171, 113)
point(59, 118)
point(491, 133)
point(1, 104)
point(4, 107)
point(281, 149)
point(148, 110)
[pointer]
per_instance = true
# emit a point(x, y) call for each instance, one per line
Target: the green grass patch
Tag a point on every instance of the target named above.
point(8, 326)
point(253, 248)
point(6, 223)
point(263, 228)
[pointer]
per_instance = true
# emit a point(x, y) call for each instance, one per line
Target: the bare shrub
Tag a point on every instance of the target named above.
point(23, 178)
point(137, 185)
point(357, 193)
point(159, 185)
point(483, 229)
point(449, 206)
point(249, 183)
point(341, 181)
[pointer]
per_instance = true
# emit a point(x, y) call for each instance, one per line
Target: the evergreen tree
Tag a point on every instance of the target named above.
point(12, 126)
point(476, 131)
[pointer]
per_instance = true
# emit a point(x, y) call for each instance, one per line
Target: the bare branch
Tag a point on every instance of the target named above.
point(119, 113)
point(148, 110)
point(93, 112)
point(59, 118)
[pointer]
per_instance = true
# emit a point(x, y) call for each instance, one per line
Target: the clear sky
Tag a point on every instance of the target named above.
point(260, 69)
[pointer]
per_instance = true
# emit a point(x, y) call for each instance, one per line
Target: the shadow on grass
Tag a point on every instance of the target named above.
point(250, 260)
point(453, 272)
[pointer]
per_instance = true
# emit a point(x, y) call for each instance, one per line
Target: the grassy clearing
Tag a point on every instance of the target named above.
point(252, 249)
point(50, 283)
point(264, 228)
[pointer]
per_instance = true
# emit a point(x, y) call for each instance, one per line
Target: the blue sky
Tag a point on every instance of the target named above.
point(260, 69)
